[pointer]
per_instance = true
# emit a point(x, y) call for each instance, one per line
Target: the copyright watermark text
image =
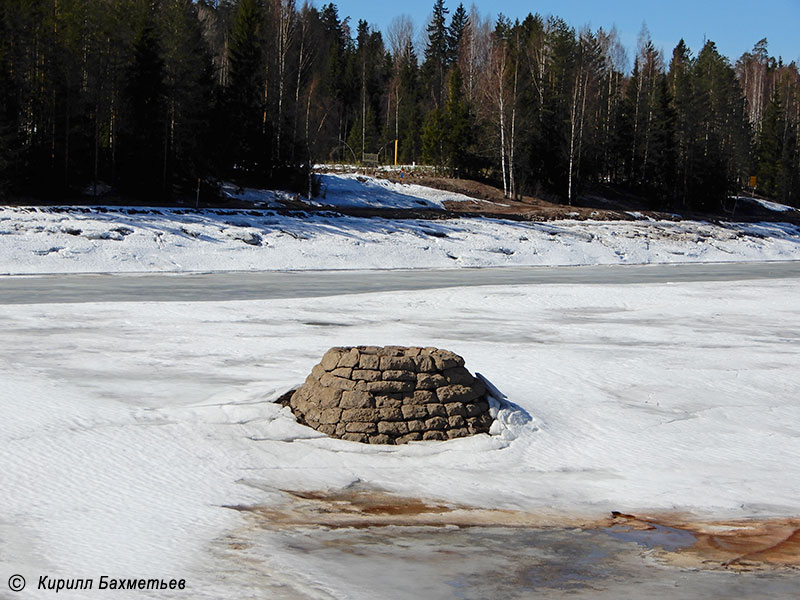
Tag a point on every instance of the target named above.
point(16, 583)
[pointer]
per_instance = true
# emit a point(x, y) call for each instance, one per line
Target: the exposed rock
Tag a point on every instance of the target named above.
point(392, 395)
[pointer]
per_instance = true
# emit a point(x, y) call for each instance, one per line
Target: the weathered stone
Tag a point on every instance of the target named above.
point(331, 359)
point(474, 425)
point(475, 408)
point(312, 415)
point(456, 393)
point(340, 383)
point(425, 363)
point(367, 374)
point(349, 358)
point(369, 361)
point(318, 371)
point(436, 410)
point(458, 375)
point(412, 411)
point(455, 408)
point(445, 359)
point(389, 387)
point(392, 395)
point(397, 363)
point(393, 428)
point(457, 433)
point(456, 421)
point(326, 397)
point(390, 414)
point(416, 426)
point(393, 351)
point(388, 402)
point(342, 372)
point(424, 397)
point(364, 415)
point(359, 427)
point(430, 381)
point(299, 405)
point(485, 420)
point(330, 415)
point(399, 376)
point(356, 399)
point(435, 423)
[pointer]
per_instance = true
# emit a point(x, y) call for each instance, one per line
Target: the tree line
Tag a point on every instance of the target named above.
point(155, 97)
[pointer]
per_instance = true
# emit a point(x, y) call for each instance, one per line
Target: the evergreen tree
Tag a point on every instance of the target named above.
point(188, 93)
point(143, 133)
point(8, 115)
point(244, 110)
point(410, 112)
point(437, 52)
point(770, 148)
point(434, 133)
point(458, 23)
point(458, 126)
point(680, 87)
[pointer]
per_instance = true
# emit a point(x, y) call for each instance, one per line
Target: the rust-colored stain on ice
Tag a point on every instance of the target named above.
point(747, 544)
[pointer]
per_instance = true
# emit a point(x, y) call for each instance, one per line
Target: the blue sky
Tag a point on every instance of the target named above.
point(735, 25)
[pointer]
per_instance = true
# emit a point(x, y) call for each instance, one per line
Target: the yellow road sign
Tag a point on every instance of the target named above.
point(752, 181)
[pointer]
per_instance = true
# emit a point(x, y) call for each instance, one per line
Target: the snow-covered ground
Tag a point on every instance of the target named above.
point(349, 189)
point(127, 428)
point(55, 240)
point(768, 204)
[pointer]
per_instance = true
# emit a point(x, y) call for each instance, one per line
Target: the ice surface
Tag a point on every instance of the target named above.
point(127, 428)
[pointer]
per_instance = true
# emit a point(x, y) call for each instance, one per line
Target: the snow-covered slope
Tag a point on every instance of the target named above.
point(363, 191)
point(70, 239)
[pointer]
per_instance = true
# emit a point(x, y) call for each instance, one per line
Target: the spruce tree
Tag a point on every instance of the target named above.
point(243, 108)
point(434, 134)
point(437, 52)
point(458, 23)
point(458, 128)
point(143, 132)
point(680, 87)
point(770, 148)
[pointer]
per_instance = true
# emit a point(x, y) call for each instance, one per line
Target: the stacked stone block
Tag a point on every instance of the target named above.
point(392, 395)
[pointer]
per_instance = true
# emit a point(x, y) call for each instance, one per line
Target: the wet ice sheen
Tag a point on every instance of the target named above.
point(500, 562)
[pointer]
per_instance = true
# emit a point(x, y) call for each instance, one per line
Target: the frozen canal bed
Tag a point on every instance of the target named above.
point(262, 285)
point(129, 428)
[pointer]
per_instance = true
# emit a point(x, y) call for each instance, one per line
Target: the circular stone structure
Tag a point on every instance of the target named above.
point(392, 395)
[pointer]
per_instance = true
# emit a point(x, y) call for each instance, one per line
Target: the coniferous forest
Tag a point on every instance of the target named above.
point(152, 96)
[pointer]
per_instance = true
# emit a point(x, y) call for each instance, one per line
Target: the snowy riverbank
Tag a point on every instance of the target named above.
point(75, 240)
